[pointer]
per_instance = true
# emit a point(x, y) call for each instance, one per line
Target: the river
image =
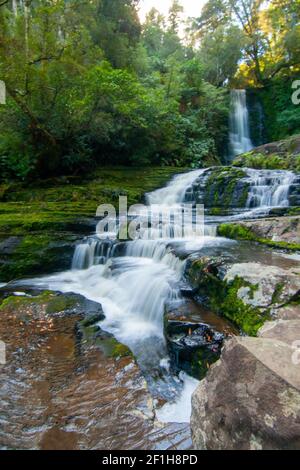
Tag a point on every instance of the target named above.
point(135, 281)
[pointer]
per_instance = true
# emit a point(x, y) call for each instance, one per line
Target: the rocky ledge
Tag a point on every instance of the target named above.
point(281, 232)
point(250, 399)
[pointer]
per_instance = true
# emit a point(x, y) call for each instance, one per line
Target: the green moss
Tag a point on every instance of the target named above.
point(120, 350)
point(250, 319)
point(277, 156)
point(293, 211)
point(221, 185)
point(59, 304)
point(240, 232)
point(14, 302)
point(222, 297)
point(32, 256)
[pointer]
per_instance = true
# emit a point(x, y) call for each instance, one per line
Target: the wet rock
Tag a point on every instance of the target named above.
point(36, 254)
point(248, 294)
point(220, 187)
point(250, 399)
point(194, 345)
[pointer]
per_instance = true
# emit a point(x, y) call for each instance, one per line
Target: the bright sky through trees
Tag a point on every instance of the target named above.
point(191, 7)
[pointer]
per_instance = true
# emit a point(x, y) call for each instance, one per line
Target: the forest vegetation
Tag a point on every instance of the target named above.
point(88, 85)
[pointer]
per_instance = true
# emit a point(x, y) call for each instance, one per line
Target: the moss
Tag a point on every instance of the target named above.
point(222, 297)
point(34, 255)
point(277, 293)
point(240, 232)
point(59, 304)
point(250, 319)
point(120, 350)
point(275, 156)
point(221, 186)
point(14, 302)
point(293, 211)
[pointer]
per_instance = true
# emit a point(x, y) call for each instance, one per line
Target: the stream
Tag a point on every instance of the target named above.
point(135, 281)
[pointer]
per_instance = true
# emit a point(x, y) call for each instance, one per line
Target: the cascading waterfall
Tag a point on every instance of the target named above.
point(269, 188)
point(135, 280)
point(240, 141)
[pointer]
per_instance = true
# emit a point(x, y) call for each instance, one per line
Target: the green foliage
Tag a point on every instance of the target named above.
point(87, 84)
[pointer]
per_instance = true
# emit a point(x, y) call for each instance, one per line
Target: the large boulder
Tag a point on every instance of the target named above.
point(250, 399)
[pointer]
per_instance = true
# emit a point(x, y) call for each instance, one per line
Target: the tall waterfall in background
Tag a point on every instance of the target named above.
point(240, 141)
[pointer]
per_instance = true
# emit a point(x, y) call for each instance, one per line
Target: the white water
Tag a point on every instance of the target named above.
point(240, 141)
point(175, 192)
point(269, 188)
point(178, 411)
point(133, 281)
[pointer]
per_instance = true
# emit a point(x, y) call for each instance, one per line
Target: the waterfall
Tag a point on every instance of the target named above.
point(240, 141)
point(269, 188)
point(134, 280)
point(175, 192)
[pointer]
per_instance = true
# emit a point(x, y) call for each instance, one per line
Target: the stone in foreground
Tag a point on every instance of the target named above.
point(250, 399)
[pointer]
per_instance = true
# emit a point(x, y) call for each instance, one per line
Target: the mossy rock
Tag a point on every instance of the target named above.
point(221, 297)
point(225, 188)
point(38, 254)
point(240, 232)
point(280, 155)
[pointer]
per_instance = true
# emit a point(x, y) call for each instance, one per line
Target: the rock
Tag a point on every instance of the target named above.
point(8, 246)
point(220, 188)
point(47, 304)
point(268, 285)
point(248, 294)
point(285, 331)
point(193, 344)
point(283, 154)
point(193, 347)
point(283, 231)
point(289, 312)
point(250, 399)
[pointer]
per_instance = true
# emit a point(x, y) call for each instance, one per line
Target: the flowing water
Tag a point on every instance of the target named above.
point(269, 188)
point(135, 280)
point(240, 141)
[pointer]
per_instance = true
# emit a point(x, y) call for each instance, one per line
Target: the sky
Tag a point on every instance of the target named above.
point(191, 7)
